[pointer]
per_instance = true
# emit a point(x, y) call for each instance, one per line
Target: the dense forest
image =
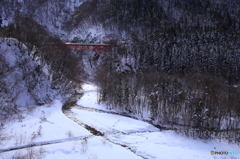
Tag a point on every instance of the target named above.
point(176, 62)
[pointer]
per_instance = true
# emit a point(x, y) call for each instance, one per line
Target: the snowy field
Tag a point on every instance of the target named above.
point(46, 132)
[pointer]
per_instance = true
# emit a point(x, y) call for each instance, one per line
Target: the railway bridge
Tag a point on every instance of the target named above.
point(99, 48)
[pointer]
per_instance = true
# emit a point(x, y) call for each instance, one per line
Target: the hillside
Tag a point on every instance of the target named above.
point(23, 82)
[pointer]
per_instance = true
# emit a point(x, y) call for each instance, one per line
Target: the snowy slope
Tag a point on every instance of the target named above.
point(23, 79)
point(54, 15)
point(51, 14)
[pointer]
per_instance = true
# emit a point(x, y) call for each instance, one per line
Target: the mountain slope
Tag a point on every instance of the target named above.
point(23, 82)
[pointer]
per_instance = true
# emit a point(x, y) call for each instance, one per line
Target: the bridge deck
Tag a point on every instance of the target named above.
point(86, 44)
point(99, 48)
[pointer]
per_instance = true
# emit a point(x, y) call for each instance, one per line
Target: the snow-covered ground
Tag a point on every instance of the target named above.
point(112, 123)
point(89, 100)
point(44, 124)
point(93, 148)
point(170, 145)
point(46, 132)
